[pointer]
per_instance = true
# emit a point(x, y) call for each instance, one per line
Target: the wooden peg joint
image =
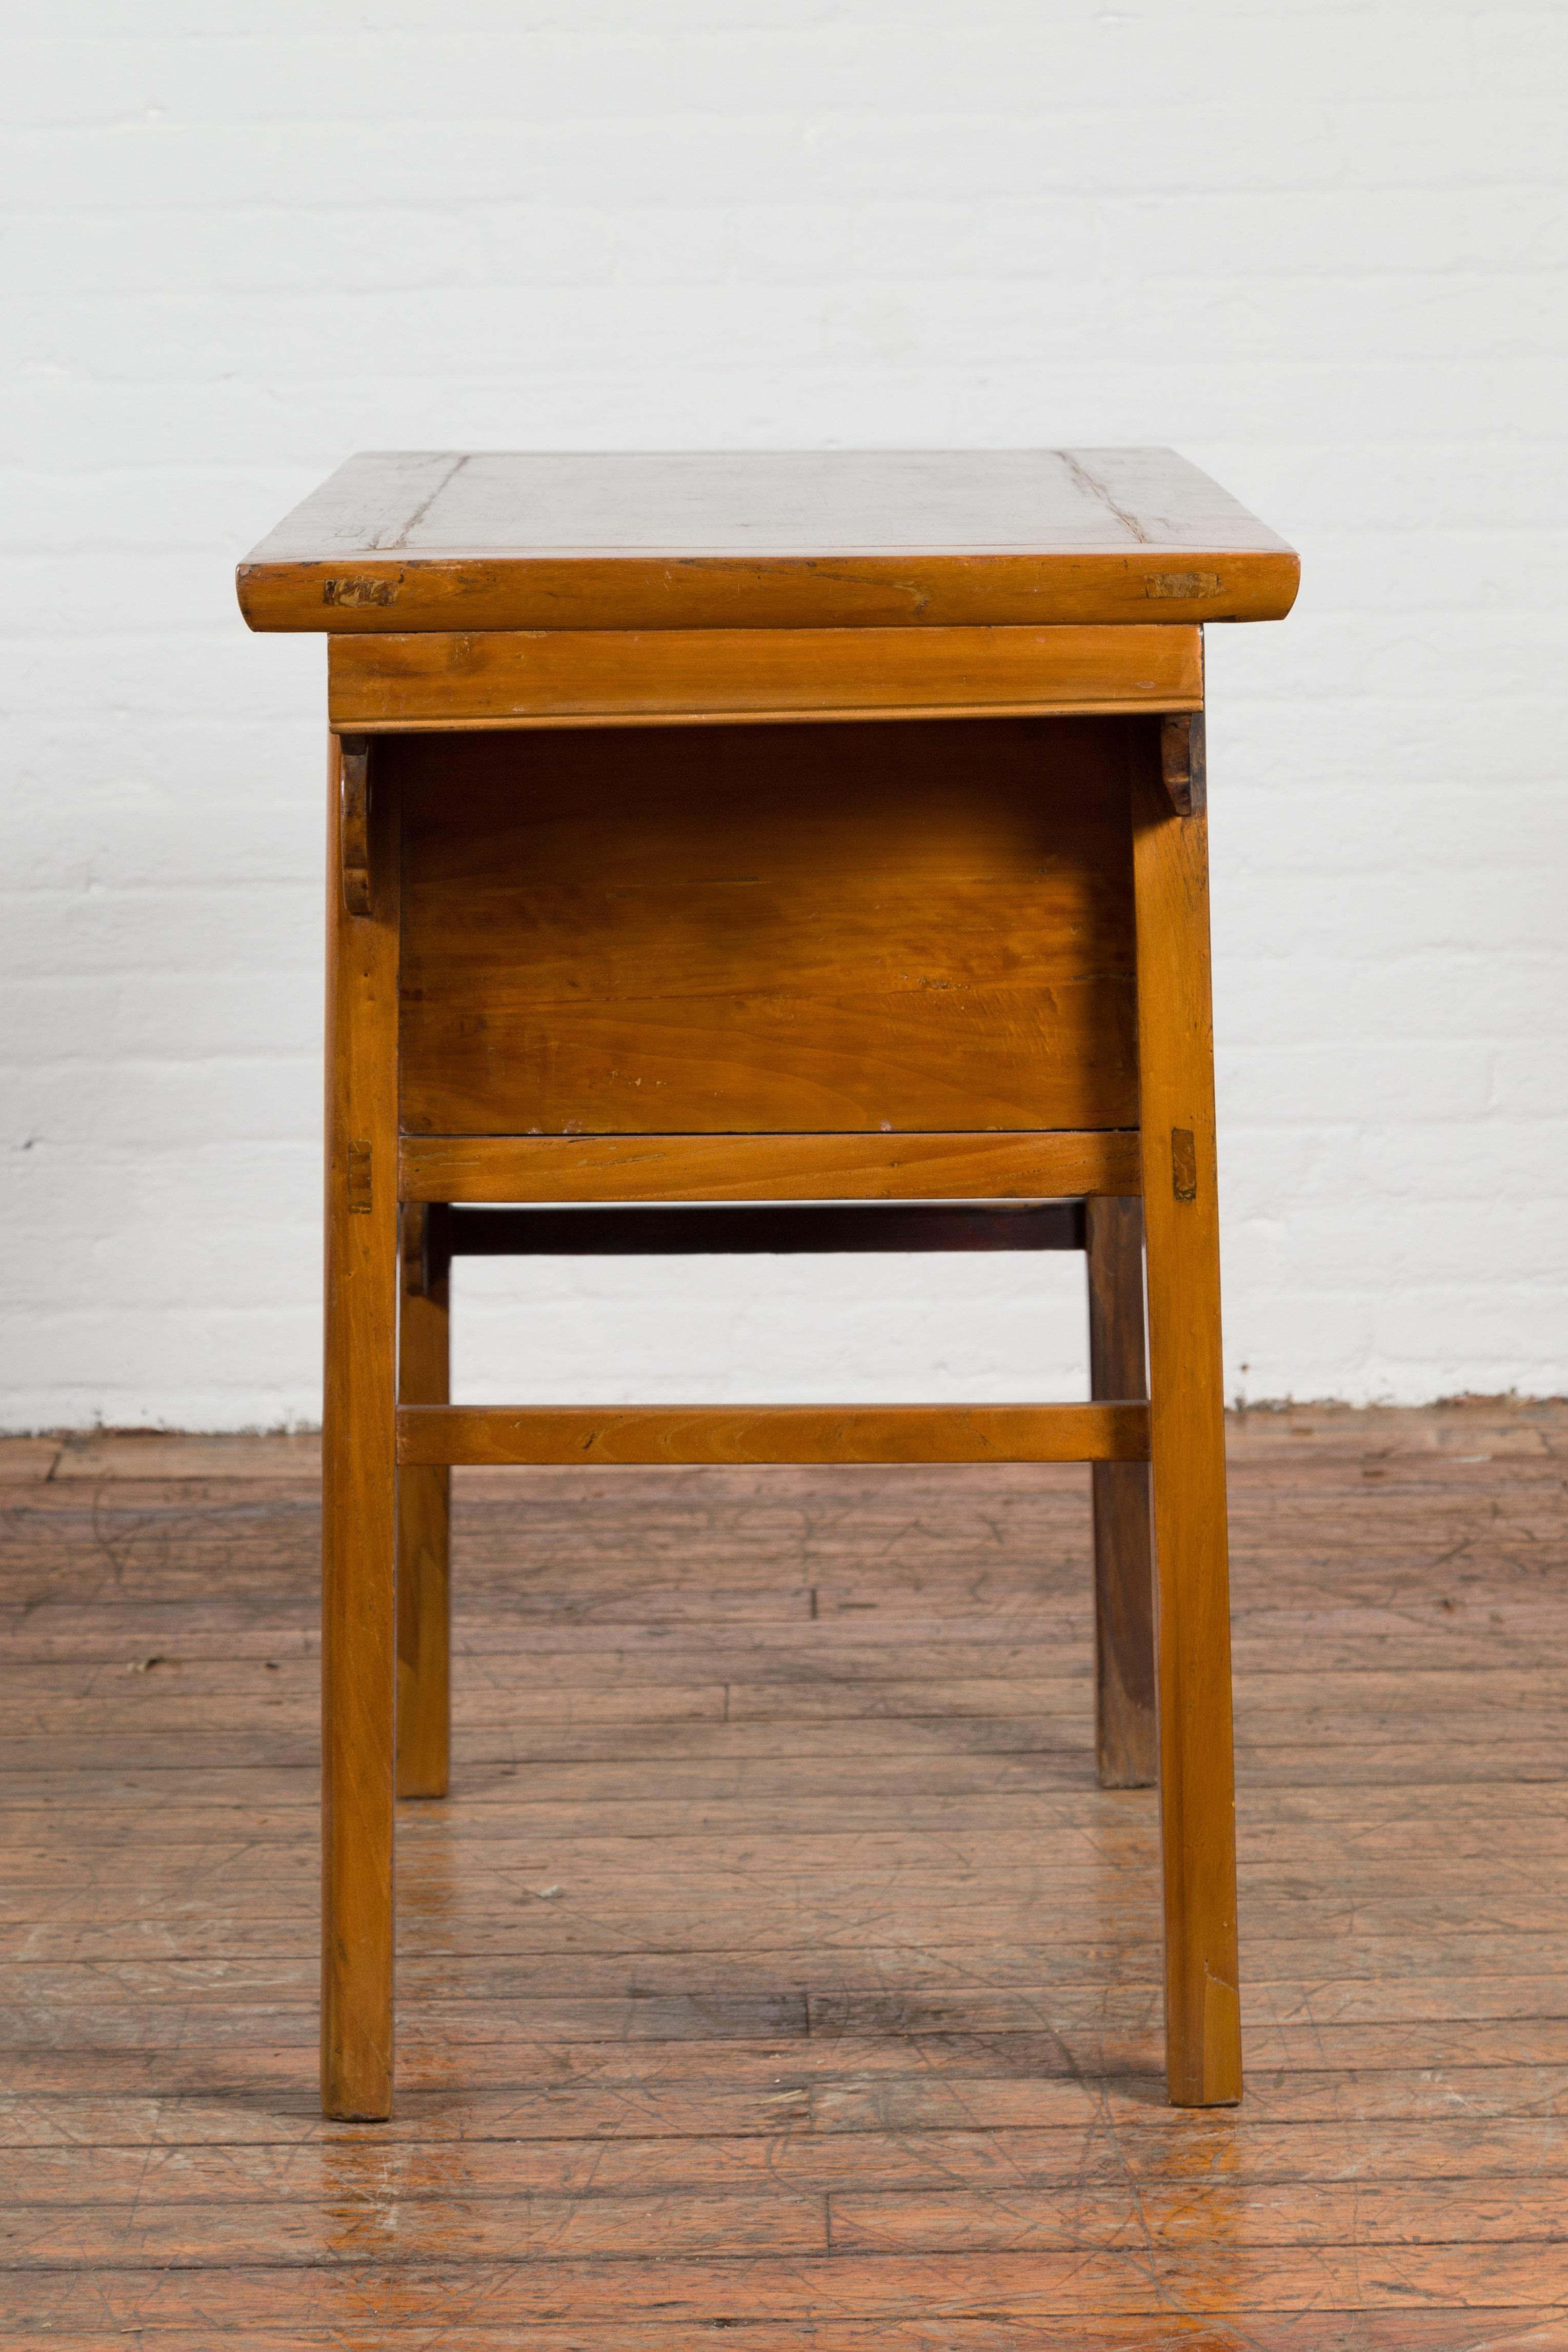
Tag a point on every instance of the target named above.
point(353, 822)
point(1183, 762)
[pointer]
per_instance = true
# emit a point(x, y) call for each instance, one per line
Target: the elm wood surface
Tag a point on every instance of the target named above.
point(1186, 1428)
point(906, 928)
point(359, 1532)
point(444, 539)
point(845, 2022)
point(596, 677)
point(956, 1168)
point(653, 1433)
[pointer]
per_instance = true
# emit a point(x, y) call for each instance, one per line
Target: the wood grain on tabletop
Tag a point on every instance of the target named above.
point(761, 1966)
point(921, 927)
point(444, 539)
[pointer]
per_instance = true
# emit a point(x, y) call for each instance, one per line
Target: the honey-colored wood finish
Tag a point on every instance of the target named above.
point(358, 1472)
point(424, 1516)
point(1127, 1735)
point(609, 932)
point(447, 541)
point(595, 677)
point(1186, 1420)
point(779, 1433)
point(761, 929)
point(1018, 1167)
point(777, 1961)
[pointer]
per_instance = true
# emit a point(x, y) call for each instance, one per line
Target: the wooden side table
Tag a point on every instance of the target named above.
point(771, 852)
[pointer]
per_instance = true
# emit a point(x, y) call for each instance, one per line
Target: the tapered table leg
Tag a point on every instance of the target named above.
point(1126, 1740)
point(1197, 1804)
point(424, 1517)
point(359, 1466)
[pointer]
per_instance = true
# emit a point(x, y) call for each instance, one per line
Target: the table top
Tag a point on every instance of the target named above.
point(444, 539)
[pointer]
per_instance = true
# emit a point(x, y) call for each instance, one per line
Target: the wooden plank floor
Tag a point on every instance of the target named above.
point(776, 1969)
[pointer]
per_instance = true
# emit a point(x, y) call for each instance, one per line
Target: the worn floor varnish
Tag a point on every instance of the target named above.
point(776, 1972)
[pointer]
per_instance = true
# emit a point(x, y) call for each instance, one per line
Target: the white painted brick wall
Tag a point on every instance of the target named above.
point(1319, 248)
